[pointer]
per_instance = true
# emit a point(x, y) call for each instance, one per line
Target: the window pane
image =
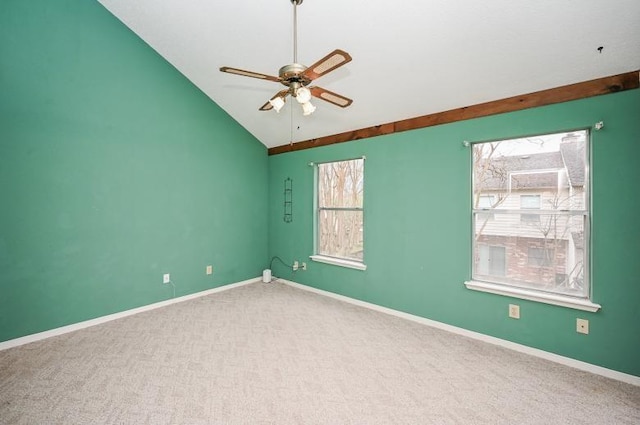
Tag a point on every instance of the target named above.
point(340, 184)
point(530, 202)
point(537, 191)
point(551, 166)
point(548, 255)
point(340, 234)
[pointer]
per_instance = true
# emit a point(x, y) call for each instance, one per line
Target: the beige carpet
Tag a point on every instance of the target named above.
point(273, 354)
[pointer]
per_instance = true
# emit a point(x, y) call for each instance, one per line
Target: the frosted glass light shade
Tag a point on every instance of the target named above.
point(303, 95)
point(277, 103)
point(307, 108)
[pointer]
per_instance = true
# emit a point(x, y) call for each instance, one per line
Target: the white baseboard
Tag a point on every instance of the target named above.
point(567, 361)
point(99, 320)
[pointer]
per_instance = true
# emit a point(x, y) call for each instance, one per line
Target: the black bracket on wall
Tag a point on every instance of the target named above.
point(288, 200)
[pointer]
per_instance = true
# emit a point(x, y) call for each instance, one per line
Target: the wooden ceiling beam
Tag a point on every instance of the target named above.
point(600, 86)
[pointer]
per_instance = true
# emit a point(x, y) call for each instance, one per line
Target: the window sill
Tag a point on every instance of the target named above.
point(339, 262)
point(528, 294)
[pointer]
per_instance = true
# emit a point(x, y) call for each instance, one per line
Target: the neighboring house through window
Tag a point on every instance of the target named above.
point(491, 260)
point(542, 252)
point(486, 202)
point(540, 257)
point(530, 202)
point(339, 213)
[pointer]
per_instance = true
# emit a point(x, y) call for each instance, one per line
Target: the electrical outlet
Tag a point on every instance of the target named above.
point(295, 265)
point(514, 311)
point(304, 266)
point(209, 269)
point(582, 326)
point(166, 278)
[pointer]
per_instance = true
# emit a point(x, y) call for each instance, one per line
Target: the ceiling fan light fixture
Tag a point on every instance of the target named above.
point(296, 76)
point(277, 103)
point(303, 95)
point(307, 108)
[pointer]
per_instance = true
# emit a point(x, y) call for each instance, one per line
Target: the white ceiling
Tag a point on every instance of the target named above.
point(410, 58)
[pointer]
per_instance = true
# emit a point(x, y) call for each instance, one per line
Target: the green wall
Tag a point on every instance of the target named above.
point(114, 169)
point(418, 229)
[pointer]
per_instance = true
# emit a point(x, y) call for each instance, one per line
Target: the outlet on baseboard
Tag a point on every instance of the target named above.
point(166, 278)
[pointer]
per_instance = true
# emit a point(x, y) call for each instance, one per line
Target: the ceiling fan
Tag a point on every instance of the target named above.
point(296, 77)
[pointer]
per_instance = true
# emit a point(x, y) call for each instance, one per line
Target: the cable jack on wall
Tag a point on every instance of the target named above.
point(166, 279)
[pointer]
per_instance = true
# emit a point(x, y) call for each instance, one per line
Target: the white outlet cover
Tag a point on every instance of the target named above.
point(166, 278)
point(514, 311)
point(209, 270)
point(582, 326)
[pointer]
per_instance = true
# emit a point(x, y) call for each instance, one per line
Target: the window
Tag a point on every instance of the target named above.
point(486, 202)
point(543, 253)
point(491, 260)
point(339, 219)
point(540, 257)
point(530, 202)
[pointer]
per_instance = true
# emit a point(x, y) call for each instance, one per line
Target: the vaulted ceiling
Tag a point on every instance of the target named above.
point(410, 58)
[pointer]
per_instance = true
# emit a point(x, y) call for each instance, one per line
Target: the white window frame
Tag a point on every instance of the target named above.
point(322, 258)
point(510, 290)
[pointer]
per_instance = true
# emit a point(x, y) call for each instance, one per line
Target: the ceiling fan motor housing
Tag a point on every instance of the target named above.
point(292, 74)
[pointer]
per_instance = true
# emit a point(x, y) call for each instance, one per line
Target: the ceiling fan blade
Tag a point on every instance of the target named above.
point(251, 74)
point(268, 106)
point(330, 97)
point(333, 60)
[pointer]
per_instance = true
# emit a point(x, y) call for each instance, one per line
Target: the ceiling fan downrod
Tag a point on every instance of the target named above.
point(295, 76)
point(296, 3)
